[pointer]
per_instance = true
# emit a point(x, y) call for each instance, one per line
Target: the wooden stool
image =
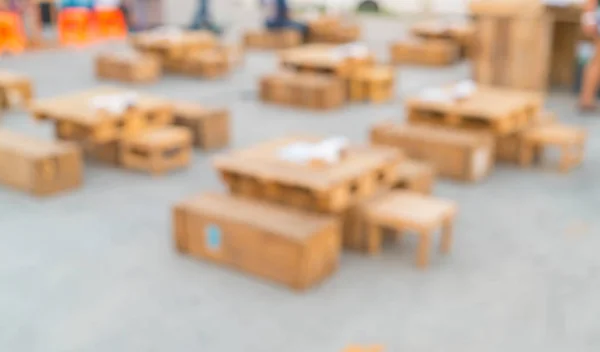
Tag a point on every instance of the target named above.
point(408, 211)
point(570, 140)
point(375, 84)
point(157, 150)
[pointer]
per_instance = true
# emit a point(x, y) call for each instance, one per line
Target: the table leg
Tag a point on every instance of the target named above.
point(423, 251)
point(374, 239)
point(447, 232)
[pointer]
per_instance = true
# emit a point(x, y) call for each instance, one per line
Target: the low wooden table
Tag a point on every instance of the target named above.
point(497, 110)
point(408, 211)
point(321, 58)
point(77, 119)
point(259, 172)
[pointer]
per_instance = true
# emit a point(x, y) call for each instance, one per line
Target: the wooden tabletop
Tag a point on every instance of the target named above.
point(77, 107)
point(263, 162)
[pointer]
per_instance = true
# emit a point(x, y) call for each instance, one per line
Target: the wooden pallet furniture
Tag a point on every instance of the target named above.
point(207, 64)
point(406, 211)
point(15, 90)
point(288, 246)
point(210, 127)
point(456, 154)
point(416, 176)
point(157, 150)
point(39, 167)
point(304, 90)
point(324, 59)
point(460, 33)
point(570, 140)
point(173, 45)
point(332, 30)
point(128, 66)
point(508, 148)
point(495, 110)
point(374, 84)
point(260, 172)
point(76, 119)
point(268, 40)
point(432, 52)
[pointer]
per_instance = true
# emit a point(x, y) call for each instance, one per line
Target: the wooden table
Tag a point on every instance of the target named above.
point(496, 110)
point(260, 172)
point(75, 118)
point(322, 58)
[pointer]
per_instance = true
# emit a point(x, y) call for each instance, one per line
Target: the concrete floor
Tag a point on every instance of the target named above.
point(94, 270)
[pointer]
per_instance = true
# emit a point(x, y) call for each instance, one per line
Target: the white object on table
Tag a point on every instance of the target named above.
point(435, 95)
point(464, 89)
point(114, 103)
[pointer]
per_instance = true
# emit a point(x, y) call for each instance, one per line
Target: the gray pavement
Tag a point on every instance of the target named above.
point(94, 270)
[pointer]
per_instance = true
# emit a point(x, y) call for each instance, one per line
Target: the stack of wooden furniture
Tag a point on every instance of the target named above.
point(271, 39)
point(463, 129)
point(525, 44)
point(15, 90)
point(290, 209)
point(332, 30)
point(325, 76)
point(434, 43)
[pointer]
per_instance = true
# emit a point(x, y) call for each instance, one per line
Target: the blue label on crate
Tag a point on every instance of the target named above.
point(213, 237)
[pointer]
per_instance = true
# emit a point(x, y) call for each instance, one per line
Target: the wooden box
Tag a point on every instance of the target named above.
point(311, 91)
point(39, 167)
point(416, 51)
point(513, 44)
point(287, 246)
point(261, 172)
point(128, 67)
point(15, 89)
point(456, 154)
point(210, 128)
point(171, 46)
point(281, 39)
point(157, 150)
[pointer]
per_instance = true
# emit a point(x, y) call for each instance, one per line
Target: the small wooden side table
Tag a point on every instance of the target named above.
point(408, 211)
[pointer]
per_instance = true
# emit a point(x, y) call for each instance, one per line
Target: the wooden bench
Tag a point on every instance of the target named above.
point(210, 128)
point(375, 84)
point(157, 150)
point(39, 167)
point(288, 246)
point(570, 140)
point(408, 211)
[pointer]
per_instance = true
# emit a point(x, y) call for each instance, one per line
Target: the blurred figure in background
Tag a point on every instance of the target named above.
point(591, 74)
point(278, 17)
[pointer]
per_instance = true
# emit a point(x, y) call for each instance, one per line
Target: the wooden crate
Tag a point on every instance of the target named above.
point(287, 246)
point(128, 67)
point(416, 176)
point(374, 84)
point(461, 155)
point(39, 167)
point(77, 119)
point(508, 147)
point(305, 90)
point(266, 40)
point(460, 33)
point(157, 150)
point(15, 90)
point(415, 51)
point(494, 110)
point(210, 128)
point(513, 44)
point(259, 172)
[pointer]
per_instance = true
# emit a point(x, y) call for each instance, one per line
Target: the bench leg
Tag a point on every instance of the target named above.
point(374, 239)
point(423, 251)
point(447, 234)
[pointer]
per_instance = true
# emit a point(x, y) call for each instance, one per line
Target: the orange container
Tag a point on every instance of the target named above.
point(110, 23)
point(12, 39)
point(75, 26)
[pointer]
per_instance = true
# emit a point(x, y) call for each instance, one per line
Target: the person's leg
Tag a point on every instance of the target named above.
point(591, 79)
